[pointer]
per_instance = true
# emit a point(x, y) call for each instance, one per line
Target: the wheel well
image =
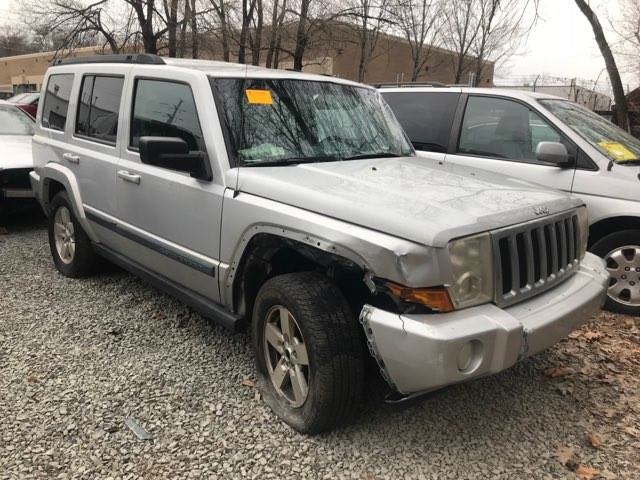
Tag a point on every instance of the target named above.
point(54, 187)
point(268, 255)
point(610, 225)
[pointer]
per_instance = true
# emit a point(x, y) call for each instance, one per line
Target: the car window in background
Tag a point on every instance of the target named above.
point(14, 122)
point(98, 107)
point(426, 117)
point(165, 109)
point(500, 128)
point(609, 139)
point(283, 120)
point(56, 101)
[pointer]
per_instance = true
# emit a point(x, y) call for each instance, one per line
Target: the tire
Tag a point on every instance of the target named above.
point(624, 287)
point(76, 259)
point(330, 336)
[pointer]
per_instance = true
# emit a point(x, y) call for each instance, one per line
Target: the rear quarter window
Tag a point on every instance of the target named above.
point(56, 101)
point(426, 117)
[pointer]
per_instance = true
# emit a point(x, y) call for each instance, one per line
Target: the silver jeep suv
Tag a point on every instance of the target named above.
point(293, 205)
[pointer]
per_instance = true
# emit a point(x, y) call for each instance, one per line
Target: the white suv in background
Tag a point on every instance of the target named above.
point(544, 139)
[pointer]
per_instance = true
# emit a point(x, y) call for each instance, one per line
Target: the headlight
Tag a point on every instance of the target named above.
point(472, 266)
point(583, 231)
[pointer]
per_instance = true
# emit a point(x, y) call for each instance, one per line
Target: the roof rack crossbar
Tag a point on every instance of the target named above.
point(138, 58)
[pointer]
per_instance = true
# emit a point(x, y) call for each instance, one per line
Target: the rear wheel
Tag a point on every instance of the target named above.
point(70, 246)
point(621, 251)
point(308, 353)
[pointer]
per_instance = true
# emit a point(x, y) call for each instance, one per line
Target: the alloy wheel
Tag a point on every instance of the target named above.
point(286, 356)
point(623, 264)
point(63, 233)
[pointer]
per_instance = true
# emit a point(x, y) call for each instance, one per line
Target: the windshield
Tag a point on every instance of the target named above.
point(612, 141)
point(14, 122)
point(282, 121)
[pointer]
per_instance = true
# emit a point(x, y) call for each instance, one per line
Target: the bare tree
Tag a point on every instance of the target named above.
point(627, 27)
point(419, 22)
point(371, 18)
point(503, 25)
point(278, 12)
point(622, 111)
point(13, 41)
point(222, 22)
point(460, 30)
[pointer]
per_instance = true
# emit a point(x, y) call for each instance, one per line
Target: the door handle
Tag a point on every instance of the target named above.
point(71, 158)
point(129, 177)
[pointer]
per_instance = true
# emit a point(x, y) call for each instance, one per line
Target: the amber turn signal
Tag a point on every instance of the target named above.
point(436, 298)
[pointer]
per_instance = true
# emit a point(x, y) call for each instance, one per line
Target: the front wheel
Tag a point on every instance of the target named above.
point(308, 351)
point(621, 251)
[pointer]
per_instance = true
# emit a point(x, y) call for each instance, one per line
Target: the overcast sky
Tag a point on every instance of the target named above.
point(560, 45)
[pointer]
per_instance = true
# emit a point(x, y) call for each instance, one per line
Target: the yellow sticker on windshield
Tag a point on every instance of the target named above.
point(618, 151)
point(259, 97)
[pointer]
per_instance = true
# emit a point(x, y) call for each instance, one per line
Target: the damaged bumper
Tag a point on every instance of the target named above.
point(418, 353)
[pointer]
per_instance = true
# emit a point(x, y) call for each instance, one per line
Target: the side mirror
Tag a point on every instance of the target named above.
point(173, 153)
point(553, 152)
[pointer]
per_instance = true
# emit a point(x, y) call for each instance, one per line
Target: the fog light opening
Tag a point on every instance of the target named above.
point(469, 356)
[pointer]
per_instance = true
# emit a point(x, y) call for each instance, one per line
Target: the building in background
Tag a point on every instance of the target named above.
point(336, 55)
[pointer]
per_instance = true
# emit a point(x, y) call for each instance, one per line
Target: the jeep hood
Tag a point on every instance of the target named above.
point(411, 197)
point(15, 152)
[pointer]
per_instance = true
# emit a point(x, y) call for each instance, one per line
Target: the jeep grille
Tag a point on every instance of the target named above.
point(534, 256)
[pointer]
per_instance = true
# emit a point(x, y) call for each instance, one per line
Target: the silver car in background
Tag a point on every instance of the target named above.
point(544, 139)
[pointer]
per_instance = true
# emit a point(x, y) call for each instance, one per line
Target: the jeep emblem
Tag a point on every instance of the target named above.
point(541, 210)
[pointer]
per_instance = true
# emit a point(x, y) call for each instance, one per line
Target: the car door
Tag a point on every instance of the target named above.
point(169, 221)
point(501, 134)
point(93, 151)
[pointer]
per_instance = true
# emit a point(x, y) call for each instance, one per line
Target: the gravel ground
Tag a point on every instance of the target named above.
point(77, 357)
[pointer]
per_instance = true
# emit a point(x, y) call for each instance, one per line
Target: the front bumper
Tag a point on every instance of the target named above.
point(418, 353)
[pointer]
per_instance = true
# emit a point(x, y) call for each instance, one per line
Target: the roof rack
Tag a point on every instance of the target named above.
point(139, 58)
point(411, 84)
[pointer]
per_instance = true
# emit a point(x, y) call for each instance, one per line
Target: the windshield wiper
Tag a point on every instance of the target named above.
point(294, 161)
point(372, 155)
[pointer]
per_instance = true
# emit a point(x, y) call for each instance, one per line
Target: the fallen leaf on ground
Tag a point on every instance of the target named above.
point(594, 440)
point(564, 454)
point(554, 372)
point(247, 382)
point(586, 473)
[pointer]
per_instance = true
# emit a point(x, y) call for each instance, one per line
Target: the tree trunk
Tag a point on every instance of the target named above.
point(256, 46)
point(224, 25)
point(195, 45)
point(622, 109)
point(301, 36)
point(171, 11)
point(182, 46)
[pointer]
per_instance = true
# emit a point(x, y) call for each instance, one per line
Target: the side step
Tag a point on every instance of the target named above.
point(202, 305)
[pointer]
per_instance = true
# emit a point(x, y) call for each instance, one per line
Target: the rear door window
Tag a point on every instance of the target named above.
point(427, 117)
point(165, 109)
point(56, 101)
point(98, 107)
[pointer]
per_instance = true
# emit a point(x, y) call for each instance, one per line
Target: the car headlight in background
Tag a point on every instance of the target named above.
point(472, 265)
point(583, 231)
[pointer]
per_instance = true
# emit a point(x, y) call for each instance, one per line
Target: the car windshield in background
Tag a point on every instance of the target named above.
point(282, 121)
point(612, 141)
point(14, 121)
